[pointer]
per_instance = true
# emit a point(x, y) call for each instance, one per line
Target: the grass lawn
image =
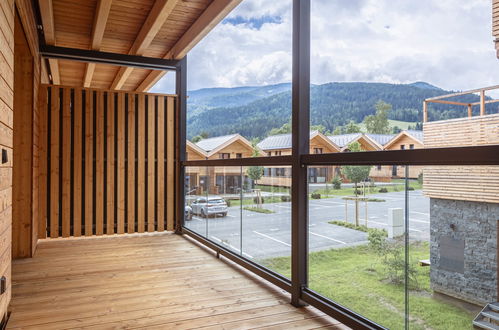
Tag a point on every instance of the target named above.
point(356, 278)
point(273, 189)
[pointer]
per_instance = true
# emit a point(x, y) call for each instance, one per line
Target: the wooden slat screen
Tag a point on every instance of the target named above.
point(109, 161)
point(466, 183)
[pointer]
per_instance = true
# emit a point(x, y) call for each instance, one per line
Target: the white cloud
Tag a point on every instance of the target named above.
point(447, 43)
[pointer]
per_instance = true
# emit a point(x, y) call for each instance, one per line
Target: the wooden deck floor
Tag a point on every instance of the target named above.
point(155, 281)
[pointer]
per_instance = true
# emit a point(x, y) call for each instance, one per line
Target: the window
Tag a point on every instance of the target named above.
point(379, 167)
point(224, 155)
point(402, 147)
point(239, 155)
point(278, 153)
point(411, 146)
point(317, 150)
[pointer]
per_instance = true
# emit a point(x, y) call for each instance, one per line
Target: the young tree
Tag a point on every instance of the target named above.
point(356, 174)
point(378, 123)
point(197, 138)
point(255, 173)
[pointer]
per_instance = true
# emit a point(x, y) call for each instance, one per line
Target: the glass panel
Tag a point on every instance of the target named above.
point(197, 183)
point(453, 269)
point(267, 217)
point(223, 211)
point(356, 241)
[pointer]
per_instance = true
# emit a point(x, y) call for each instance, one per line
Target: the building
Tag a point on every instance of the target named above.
point(217, 180)
point(280, 145)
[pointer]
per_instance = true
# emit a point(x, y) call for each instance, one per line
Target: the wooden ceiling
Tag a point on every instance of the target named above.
point(154, 28)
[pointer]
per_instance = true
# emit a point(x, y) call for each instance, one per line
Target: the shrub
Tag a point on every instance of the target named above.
point(383, 190)
point(357, 192)
point(286, 198)
point(336, 183)
point(410, 188)
point(228, 202)
point(315, 196)
point(420, 178)
point(377, 241)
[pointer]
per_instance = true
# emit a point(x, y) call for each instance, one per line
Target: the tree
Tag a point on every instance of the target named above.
point(352, 127)
point(356, 174)
point(255, 173)
point(338, 130)
point(284, 129)
point(204, 135)
point(378, 123)
point(197, 138)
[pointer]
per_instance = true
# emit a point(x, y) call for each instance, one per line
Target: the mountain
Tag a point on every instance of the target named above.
point(208, 98)
point(254, 111)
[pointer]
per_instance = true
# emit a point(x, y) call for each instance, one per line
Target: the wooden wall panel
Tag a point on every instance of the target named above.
point(467, 183)
point(121, 145)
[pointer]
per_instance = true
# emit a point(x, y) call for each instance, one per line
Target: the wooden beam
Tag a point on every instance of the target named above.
point(447, 102)
point(464, 93)
point(425, 111)
point(210, 17)
point(482, 102)
point(157, 17)
point(470, 110)
point(101, 15)
point(47, 15)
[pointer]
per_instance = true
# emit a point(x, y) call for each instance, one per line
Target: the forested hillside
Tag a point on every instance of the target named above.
point(251, 112)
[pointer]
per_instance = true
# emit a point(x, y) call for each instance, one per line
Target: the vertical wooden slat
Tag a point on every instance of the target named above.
point(89, 174)
point(77, 179)
point(160, 202)
point(131, 163)
point(110, 164)
point(121, 163)
point(99, 175)
point(151, 157)
point(66, 163)
point(141, 165)
point(54, 163)
point(170, 147)
point(42, 181)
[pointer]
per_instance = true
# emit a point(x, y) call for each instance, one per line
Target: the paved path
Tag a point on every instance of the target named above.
point(269, 235)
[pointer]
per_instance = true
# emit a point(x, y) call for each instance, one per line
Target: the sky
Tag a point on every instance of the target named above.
point(447, 43)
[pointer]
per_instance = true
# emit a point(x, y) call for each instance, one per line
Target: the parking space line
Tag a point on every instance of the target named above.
point(329, 238)
point(421, 213)
point(417, 220)
point(272, 238)
point(283, 206)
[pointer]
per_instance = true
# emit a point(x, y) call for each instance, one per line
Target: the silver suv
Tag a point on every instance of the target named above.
point(206, 207)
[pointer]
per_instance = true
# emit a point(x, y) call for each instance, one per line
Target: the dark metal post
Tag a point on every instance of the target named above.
point(301, 145)
point(180, 141)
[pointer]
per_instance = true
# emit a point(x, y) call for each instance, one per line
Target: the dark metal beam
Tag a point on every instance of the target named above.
point(93, 56)
point(300, 146)
point(478, 155)
point(180, 141)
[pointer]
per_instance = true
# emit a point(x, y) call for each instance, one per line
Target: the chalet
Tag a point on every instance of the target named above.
point(280, 145)
point(405, 140)
point(227, 180)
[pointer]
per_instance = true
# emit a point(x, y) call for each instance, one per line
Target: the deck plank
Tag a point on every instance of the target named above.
point(153, 281)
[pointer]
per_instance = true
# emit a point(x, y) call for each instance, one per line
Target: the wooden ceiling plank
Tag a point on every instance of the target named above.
point(101, 16)
point(47, 15)
point(210, 17)
point(154, 21)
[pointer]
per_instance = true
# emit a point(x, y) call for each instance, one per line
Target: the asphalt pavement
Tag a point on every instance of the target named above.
point(259, 236)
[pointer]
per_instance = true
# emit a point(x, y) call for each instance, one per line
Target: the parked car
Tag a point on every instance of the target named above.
point(188, 212)
point(206, 207)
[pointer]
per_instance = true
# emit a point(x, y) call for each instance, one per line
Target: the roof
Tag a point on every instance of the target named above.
point(381, 139)
point(213, 143)
point(344, 140)
point(416, 134)
point(280, 141)
point(160, 29)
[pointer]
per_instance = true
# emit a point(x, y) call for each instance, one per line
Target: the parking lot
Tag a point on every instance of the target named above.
point(260, 236)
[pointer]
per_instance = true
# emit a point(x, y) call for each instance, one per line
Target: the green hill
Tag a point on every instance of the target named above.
point(251, 112)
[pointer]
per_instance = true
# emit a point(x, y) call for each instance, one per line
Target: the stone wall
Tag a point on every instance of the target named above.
point(464, 249)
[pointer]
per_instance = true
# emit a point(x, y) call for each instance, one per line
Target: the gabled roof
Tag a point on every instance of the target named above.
point(212, 145)
point(416, 135)
point(380, 139)
point(343, 140)
point(284, 141)
point(197, 149)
